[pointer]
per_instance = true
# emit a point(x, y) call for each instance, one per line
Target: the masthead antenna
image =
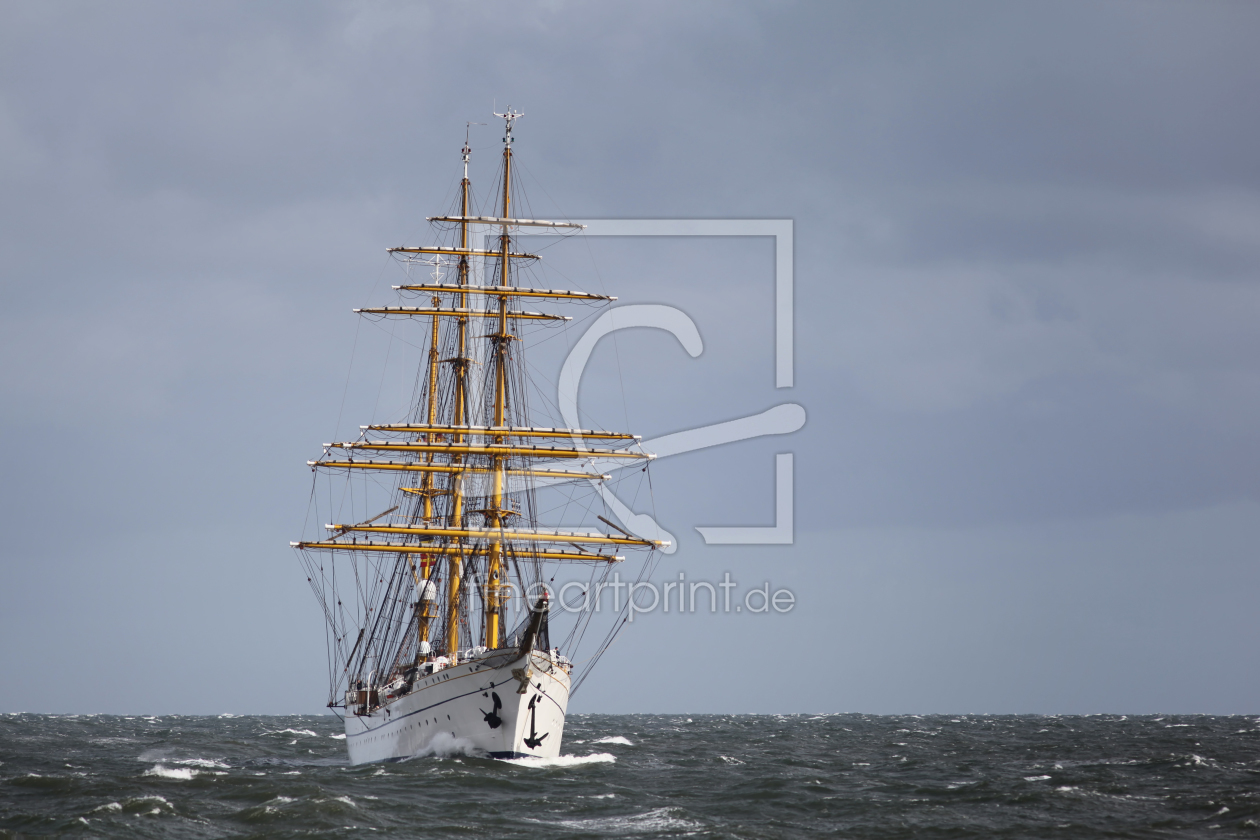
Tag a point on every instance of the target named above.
point(467, 150)
point(509, 116)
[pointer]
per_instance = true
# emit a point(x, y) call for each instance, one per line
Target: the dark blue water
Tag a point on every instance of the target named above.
point(642, 776)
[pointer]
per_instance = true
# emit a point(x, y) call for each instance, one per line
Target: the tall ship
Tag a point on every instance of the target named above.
point(444, 627)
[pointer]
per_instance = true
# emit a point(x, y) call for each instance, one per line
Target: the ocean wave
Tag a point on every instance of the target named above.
point(613, 739)
point(144, 805)
point(1136, 779)
point(204, 763)
point(303, 732)
point(562, 760)
point(657, 820)
point(273, 805)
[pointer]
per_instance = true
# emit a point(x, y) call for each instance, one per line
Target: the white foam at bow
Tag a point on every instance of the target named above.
point(445, 745)
point(563, 760)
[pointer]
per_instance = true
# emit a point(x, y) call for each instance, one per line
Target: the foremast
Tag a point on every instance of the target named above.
point(455, 560)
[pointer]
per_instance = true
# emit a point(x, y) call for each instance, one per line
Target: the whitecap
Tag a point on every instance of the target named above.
point(613, 739)
point(111, 806)
point(1035, 778)
point(134, 804)
point(272, 805)
point(207, 763)
point(305, 732)
point(562, 760)
point(340, 737)
point(182, 773)
point(114, 740)
point(655, 821)
point(730, 760)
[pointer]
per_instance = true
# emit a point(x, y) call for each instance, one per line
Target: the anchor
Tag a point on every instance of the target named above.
point(534, 741)
point(492, 716)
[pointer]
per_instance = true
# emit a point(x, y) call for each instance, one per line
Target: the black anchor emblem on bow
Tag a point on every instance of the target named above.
point(534, 740)
point(492, 716)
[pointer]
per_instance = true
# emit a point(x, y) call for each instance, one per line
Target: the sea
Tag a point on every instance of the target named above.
point(629, 776)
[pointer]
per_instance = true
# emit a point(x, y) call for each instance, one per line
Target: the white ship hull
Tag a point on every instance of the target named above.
point(479, 705)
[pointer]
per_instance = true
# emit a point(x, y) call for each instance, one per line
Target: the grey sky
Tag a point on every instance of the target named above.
point(1027, 265)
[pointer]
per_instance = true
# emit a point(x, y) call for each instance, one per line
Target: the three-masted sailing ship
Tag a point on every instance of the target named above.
point(441, 622)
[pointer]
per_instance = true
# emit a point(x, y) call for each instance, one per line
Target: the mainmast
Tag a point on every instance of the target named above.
point(495, 591)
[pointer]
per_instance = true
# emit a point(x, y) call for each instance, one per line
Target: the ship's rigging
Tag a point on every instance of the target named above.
point(443, 570)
